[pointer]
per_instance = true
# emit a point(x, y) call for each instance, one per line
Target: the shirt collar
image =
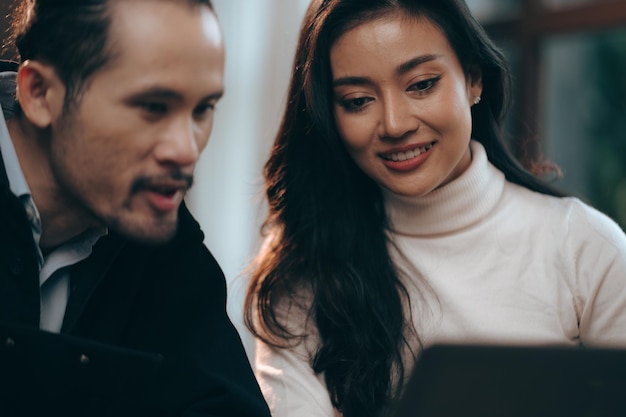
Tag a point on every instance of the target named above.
point(15, 175)
point(19, 187)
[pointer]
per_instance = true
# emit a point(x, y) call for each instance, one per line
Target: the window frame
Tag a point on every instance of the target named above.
point(527, 32)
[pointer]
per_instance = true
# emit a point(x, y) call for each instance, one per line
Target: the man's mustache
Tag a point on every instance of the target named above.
point(175, 179)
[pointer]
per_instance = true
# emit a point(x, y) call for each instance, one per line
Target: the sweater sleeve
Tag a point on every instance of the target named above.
point(597, 246)
point(289, 384)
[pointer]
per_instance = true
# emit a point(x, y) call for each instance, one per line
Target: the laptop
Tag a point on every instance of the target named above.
point(514, 381)
point(49, 374)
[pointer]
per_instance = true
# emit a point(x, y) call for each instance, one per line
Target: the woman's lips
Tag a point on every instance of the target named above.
point(407, 159)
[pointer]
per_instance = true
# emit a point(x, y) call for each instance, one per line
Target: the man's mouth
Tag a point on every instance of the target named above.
point(166, 191)
point(166, 185)
point(165, 198)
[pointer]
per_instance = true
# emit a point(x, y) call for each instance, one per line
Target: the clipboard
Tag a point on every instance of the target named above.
point(49, 374)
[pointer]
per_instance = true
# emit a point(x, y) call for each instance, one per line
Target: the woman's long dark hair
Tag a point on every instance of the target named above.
point(327, 219)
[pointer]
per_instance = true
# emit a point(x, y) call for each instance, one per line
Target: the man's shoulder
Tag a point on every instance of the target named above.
point(181, 275)
point(188, 227)
point(188, 234)
point(185, 253)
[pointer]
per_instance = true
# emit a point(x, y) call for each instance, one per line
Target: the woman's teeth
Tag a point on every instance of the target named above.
point(410, 154)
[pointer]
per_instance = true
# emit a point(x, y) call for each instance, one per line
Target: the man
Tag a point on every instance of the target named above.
point(110, 109)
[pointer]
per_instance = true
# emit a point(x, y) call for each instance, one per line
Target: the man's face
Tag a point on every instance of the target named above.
point(125, 154)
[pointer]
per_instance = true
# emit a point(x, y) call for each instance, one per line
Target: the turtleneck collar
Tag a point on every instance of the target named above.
point(453, 207)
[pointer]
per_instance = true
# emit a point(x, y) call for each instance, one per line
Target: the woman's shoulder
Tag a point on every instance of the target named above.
point(584, 219)
point(577, 218)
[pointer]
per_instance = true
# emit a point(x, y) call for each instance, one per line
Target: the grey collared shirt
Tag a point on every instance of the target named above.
point(54, 268)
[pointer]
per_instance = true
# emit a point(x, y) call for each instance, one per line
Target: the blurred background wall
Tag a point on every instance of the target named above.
point(260, 39)
point(569, 62)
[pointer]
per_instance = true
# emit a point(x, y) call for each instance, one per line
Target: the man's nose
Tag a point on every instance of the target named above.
point(179, 144)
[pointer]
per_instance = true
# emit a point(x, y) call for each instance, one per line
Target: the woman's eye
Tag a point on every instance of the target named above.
point(425, 85)
point(355, 104)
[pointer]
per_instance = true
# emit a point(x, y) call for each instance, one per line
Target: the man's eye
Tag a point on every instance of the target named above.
point(203, 110)
point(155, 108)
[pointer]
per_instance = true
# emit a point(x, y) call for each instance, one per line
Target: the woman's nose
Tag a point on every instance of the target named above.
point(398, 118)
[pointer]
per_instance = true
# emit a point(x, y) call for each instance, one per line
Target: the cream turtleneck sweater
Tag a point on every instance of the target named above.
point(496, 264)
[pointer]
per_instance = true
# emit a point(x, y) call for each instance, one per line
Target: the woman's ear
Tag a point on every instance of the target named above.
point(40, 92)
point(474, 84)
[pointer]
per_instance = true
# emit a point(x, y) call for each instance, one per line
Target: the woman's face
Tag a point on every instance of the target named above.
point(402, 103)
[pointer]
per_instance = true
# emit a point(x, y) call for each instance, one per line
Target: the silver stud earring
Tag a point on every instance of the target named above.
point(476, 99)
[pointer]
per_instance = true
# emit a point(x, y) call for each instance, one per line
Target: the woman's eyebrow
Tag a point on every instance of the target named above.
point(400, 70)
point(417, 61)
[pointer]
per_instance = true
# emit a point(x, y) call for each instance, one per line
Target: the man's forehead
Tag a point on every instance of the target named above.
point(144, 21)
point(164, 44)
point(186, 3)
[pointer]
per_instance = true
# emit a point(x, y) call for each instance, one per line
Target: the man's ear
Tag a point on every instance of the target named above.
point(40, 92)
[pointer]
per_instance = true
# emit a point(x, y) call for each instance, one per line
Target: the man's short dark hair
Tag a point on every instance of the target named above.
point(69, 35)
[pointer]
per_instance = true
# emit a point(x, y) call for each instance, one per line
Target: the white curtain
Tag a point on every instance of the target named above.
point(227, 198)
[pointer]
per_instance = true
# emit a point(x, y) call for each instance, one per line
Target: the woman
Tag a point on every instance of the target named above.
point(397, 218)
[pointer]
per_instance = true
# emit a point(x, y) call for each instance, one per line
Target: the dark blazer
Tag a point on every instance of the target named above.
point(168, 299)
